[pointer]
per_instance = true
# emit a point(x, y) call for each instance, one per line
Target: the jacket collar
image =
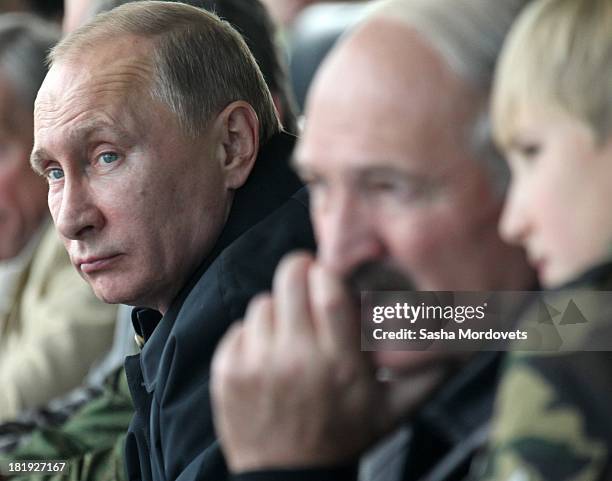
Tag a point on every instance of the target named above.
point(599, 276)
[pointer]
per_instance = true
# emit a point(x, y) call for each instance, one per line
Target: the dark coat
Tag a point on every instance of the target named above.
point(172, 435)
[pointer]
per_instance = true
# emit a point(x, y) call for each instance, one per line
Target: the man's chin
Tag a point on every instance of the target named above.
point(111, 294)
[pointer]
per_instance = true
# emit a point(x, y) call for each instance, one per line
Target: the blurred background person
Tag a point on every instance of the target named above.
point(402, 174)
point(52, 328)
point(52, 10)
point(285, 12)
point(552, 117)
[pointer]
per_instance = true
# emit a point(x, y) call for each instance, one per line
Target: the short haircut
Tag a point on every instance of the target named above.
point(558, 54)
point(468, 35)
point(25, 41)
point(201, 64)
point(252, 20)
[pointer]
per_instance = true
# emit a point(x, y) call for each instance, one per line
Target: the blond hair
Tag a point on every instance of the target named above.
point(201, 64)
point(559, 53)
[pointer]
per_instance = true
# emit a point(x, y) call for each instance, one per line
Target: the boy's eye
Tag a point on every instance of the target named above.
point(108, 157)
point(528, 150)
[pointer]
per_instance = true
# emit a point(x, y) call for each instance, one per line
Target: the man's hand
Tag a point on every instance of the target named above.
point(291, 387)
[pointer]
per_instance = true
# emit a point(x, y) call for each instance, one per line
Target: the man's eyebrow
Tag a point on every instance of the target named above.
point(37, 158)
point(86, 129)
point(81, 133)
point(385, 171)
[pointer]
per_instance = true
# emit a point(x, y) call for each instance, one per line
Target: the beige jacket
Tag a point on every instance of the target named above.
point(53, 333)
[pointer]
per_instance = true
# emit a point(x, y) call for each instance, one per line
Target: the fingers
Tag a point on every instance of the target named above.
point(230, 343)
point(224, 361)
point(292, 299)
point(336, 318)
point(259, 326)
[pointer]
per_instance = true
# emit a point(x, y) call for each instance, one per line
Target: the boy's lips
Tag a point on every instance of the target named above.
point(539, 264)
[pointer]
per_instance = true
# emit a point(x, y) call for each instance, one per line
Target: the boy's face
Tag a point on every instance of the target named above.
point(557, 206)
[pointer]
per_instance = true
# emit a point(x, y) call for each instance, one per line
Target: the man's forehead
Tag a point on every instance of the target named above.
point(392, 68)
point(70, 89)
point(98, 69)
point(405, 112)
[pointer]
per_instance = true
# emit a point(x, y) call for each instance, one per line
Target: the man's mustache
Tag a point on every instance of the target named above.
point(377, 276)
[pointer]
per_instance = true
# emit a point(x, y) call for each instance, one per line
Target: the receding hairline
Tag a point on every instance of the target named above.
point(412, 47)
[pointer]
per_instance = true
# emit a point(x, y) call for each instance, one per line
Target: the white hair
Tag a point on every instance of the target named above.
point(468, 35)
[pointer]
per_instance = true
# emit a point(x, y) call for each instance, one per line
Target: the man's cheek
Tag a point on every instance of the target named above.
point(54, 202)
point(415, 242)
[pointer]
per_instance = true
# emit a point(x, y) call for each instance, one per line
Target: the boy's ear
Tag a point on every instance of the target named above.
point(239, 142)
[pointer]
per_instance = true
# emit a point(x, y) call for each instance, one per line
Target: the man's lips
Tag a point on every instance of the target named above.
point(90, 265)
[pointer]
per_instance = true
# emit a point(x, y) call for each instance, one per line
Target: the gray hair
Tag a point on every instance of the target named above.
point(201, 64)
point(25, 41)
point(469, 35)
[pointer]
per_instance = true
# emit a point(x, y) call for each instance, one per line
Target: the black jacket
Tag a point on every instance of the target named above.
point(171, 435)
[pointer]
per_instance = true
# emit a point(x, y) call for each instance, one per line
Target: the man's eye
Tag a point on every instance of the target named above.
point(384, 186)
point(108, 157)
point(55, 174)
point(392, 187)
point(314, 183)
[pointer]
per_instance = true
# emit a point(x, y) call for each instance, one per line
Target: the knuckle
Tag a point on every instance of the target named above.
point(257, 306)
point(332, 305)
point(292, 266)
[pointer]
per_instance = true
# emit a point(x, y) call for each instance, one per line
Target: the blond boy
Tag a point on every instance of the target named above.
point(552, 115)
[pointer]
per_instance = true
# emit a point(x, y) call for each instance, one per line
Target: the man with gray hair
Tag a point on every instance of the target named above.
point(162, 149)
point(403, 181)
point(52, 328)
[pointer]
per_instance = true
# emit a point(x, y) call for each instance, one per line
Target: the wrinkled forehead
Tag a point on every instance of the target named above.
point(99, 73)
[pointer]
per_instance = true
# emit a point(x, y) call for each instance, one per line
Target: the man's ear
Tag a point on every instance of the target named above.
point(239, 142)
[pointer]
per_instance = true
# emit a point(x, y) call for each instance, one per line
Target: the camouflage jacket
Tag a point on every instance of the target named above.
point(91, 441)
point(553, 417)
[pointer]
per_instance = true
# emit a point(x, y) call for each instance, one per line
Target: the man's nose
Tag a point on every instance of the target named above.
point(78, 215)
point(346, 235)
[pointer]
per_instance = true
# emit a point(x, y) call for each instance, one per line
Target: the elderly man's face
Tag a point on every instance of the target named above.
point(137, 204)
point(22, 192)
point(386, 152)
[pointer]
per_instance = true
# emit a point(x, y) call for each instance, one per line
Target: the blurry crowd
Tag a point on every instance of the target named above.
point(194, 194)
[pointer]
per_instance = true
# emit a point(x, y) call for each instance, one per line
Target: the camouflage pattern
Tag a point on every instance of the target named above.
point(92, 441)
point(553, 418)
